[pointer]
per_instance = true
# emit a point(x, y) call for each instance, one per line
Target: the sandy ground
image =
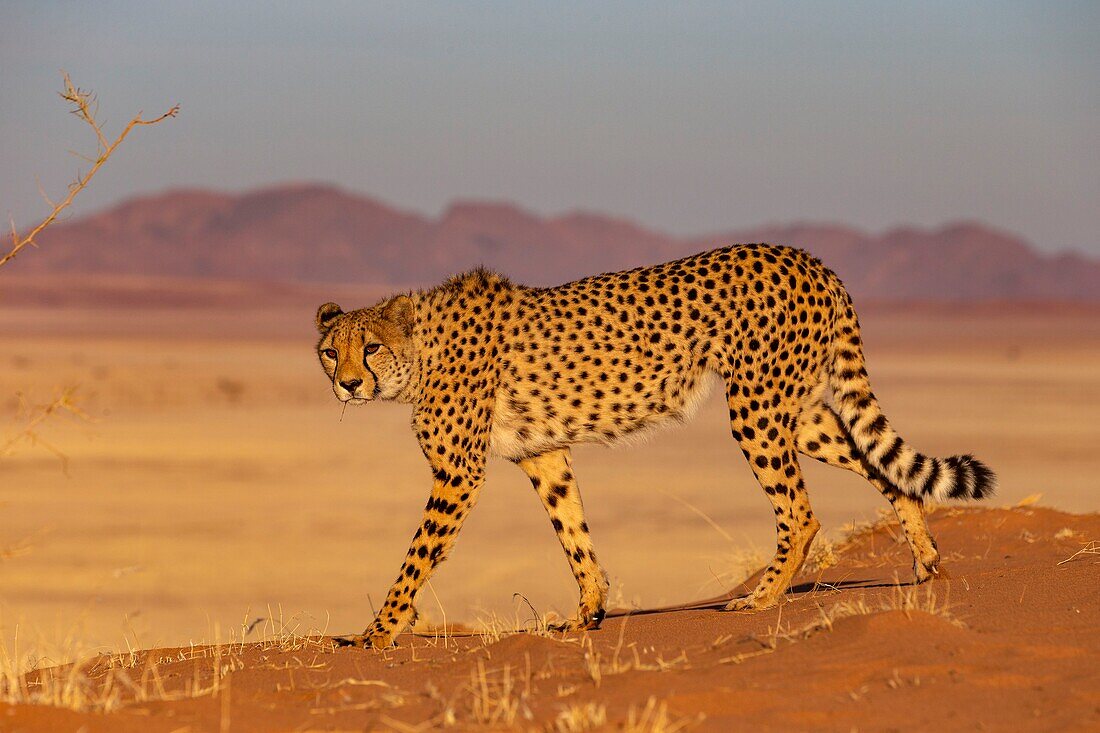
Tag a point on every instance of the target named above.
point(217, 482)
point(1006, 639)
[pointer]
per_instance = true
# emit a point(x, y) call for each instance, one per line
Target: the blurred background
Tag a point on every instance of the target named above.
point(944, 160)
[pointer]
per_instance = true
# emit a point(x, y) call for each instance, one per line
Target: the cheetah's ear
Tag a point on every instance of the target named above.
point(400, 311)
point(326, 314)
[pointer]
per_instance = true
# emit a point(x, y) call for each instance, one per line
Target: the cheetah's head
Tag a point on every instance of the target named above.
point(368, 354)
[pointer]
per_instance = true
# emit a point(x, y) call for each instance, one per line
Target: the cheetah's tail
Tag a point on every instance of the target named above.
point(918, 475)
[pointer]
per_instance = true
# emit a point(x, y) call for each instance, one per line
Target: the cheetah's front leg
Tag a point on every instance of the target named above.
point(453, 496)
point(552, 476)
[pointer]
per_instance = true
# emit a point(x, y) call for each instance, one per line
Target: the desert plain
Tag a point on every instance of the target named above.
point(217, 494)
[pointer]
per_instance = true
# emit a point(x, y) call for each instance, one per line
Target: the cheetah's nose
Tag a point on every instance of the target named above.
point(351, 384)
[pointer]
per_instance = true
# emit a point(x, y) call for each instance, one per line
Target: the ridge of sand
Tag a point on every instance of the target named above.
point(1007, 638)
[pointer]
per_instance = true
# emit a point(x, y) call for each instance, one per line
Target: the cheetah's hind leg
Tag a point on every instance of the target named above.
point(768, 443)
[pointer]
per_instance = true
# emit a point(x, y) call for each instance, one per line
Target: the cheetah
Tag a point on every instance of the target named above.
point(492, 367)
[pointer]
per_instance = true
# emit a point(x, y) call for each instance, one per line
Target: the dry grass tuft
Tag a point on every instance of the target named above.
point(824, 554)
point(491, 626)
point(102, 683)
point(905, 598)
point(737, 565)
point(617, 599)
point(67, 686)
point(621, 660)
point(107, 683)
point(654, 717)
point(578, 718)
point(497, 698)
point(287, 635)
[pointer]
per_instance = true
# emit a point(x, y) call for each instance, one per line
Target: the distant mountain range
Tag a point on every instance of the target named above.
point(320, 234)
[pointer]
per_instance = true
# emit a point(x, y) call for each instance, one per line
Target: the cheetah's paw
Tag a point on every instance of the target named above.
point(585, 621)
point(368, 640)
point(750, 603)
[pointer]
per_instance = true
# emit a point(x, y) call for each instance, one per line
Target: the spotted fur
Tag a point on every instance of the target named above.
point(525, 373)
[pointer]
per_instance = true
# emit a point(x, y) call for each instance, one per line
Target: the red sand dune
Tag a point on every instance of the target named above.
point(1007, 638)
point(313, 233)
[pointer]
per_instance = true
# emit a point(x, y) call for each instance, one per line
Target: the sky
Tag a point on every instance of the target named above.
point(687, 117)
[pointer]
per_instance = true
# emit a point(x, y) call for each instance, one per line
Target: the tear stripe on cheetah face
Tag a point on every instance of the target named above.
point(527, 372)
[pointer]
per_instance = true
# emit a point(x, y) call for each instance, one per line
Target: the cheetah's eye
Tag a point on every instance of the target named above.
point(371, 348)
point(330, 353)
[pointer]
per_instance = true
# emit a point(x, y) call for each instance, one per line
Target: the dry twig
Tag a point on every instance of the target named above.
point(84, 107)
point(28, 433)
point(1091, 548)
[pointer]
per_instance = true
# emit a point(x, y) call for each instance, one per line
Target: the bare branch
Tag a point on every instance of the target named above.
point(86, 108)
point(28, 433)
